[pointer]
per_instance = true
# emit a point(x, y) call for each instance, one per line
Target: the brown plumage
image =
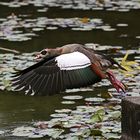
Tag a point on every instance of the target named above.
point(66, 67)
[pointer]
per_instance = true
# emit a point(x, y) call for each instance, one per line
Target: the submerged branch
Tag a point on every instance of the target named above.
point(9, 50)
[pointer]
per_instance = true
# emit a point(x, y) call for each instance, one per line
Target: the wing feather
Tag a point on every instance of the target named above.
point(46, 78)
point(46, 88)
point(59, 81)
point(23, 80)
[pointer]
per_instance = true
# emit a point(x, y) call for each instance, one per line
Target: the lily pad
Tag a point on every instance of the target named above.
point(63, 110)
point(94, 99)
point(97, 116)
point(68, 102)
point(1, 132)
point(23, 131)
point(111, 136)
point(59, 115)
point(122, 25)
point(73, 97)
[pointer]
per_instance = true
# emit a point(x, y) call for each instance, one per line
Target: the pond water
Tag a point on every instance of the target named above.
point(50, 26)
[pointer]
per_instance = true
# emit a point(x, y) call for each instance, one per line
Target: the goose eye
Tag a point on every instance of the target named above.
point(43, 52)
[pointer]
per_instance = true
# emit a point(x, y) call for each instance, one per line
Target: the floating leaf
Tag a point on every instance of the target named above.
point(7, 84)
point(73, 97)
point(115, 114)
point(107, 95)
point(111, 136)
point(128, 64)
point(94, 99)
point(35, 136)
point(59, 115)
point(1, 132)
point(98, 116)
point(55, 133)
point(68, 102)
point(138, 37)
point(63, 110)
point(83, 133)
point(23, 131)
point(122, 25)
point(96, 132)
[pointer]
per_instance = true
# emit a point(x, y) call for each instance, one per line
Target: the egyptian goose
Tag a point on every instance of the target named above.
point(66, 67)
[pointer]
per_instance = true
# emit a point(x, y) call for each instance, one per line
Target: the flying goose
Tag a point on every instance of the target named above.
point(67, 67)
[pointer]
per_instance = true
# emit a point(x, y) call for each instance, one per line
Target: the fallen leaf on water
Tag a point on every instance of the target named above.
point(129, 65)
point(98, 116)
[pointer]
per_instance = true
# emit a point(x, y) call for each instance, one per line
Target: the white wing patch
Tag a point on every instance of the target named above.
point(71, 61)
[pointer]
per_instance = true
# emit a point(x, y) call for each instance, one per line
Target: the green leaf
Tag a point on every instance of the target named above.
point(98, 116)
point(111, 136)
point(6, 84)
point(83, 133)
point(115, 114)
point(96, 132)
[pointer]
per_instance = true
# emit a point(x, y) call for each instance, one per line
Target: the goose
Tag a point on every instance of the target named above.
point(67, 67)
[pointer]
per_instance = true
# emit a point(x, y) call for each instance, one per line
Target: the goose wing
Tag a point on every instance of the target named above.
point(57, 74)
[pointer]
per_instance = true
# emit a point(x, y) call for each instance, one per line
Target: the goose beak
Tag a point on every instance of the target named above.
point(41, 54)
point(118, 85)
point(38, 56)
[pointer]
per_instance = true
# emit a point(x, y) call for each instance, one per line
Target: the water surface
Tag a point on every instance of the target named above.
point(17, 109)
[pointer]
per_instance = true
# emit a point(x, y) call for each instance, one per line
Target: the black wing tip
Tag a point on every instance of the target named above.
point(15, 74)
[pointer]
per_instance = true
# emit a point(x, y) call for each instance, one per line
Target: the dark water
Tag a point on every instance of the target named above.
point(19, 109)
point(55, 38)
